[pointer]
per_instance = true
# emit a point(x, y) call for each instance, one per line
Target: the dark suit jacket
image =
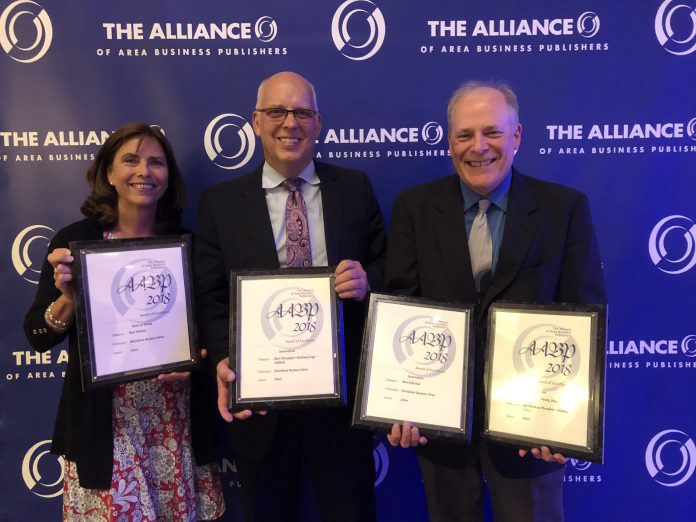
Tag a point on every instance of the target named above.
point(548, 254)
point(234, 232)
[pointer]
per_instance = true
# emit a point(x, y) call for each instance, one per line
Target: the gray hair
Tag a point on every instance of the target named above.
point(262, 85)
point(473, 85)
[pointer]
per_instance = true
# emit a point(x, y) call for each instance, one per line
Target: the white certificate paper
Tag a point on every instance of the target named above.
point(137, 309)
point(539, 376)
point(417, 364)
point(285, 337)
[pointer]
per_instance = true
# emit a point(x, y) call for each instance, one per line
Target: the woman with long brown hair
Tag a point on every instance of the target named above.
point(129, 448)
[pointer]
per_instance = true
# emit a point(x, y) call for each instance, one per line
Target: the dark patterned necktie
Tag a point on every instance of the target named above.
point(298, 251)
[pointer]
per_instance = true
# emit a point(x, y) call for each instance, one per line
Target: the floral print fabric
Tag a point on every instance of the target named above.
point(154, 474)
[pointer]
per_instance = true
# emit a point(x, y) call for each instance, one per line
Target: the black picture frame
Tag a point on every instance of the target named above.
point(132, 294)
point(543, 404)
point(252, 294)
point(399, 377)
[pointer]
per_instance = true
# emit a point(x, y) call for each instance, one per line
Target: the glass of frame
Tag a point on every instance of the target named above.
point(133, 308)
point(286, 339)
point(545, 377)
point(416, 365)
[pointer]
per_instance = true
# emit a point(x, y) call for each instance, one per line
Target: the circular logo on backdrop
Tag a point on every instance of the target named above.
point(580, 465)
point(381, 456)
point(43, 472)
point(424, 346)
point(549, 351)
point(672, 244)
point(675, 26)
point(691, 129)
point(229, 141)
point(292, 317)
point(266, 29)
point(29, 250)
point(25, 31)
point(688, 345)
point(671, 458)
point(432, 133)
point(588, 24)
point(358, 29)
point(143, 290)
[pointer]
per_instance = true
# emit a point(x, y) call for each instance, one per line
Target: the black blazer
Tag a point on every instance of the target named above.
point(82, 429)
point(548, 254)
point(234, 232)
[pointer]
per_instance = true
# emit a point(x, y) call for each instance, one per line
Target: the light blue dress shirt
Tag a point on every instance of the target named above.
point(496, 212)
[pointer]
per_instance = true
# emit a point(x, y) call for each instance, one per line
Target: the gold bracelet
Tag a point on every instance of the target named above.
point(54, 323)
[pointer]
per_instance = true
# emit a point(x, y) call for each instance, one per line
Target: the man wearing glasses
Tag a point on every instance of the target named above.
point(245, 224)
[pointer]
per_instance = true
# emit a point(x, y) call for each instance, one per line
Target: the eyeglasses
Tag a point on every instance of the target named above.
point(280, 113)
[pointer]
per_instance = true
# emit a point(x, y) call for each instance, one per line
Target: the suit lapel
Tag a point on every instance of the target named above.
point(521, 224)
point(257, 223)
point(450, 231)
point(331, 203)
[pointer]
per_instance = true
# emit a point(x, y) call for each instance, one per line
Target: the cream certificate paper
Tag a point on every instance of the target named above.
point(540, 374)
point(285, 342)
point(137, 309)
point(416, 369)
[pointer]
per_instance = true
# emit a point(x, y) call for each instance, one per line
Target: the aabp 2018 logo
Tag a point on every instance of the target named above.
point(675, 27)
point(547, 350)
point(294, 314)
point(424, 346)
point(25, 31)
point(672, 244)
point(229, 141)
point(348, 29)
point(670, 458)
point(29, 250)
point(144, 290)
point(42, 472)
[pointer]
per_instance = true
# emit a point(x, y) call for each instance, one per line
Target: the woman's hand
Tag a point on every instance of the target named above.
point(59, 314)
point(61, 260)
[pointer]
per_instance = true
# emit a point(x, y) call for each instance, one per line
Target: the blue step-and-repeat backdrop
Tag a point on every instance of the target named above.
point(608, 105)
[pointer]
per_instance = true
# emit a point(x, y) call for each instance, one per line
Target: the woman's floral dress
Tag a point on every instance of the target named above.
point(154, 475)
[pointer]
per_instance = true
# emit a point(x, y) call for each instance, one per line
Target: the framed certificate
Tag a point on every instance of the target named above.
point(133, 308)
point(416, 365)
point(286, 339)
point(545, 377)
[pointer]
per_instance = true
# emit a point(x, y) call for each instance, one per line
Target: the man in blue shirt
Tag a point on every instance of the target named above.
point(541, 248)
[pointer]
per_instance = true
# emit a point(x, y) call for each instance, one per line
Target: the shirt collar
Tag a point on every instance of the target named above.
point(499, 197)
point(271, 178)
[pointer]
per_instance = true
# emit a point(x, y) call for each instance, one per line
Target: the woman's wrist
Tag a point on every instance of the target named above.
point(52, 316)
